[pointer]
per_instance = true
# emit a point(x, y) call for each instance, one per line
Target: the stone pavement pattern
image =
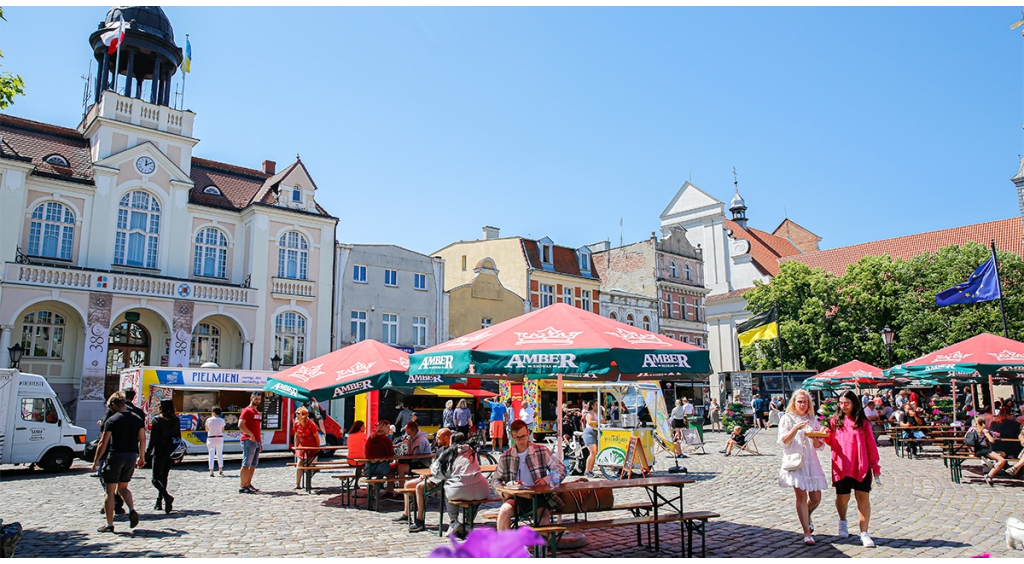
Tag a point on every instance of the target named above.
point(917, 512)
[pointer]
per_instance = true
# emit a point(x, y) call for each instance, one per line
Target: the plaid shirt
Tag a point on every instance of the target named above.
point(539, 460)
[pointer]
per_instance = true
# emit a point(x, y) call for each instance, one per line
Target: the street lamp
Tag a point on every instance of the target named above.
point(15, 352)
point(887, 335)
point(275, 362)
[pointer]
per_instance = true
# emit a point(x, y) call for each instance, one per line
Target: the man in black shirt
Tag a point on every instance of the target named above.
point(124, 443)
point(129, 399)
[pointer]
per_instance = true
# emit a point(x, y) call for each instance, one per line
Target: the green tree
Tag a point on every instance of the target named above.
point(827, 320)
point(10, 85)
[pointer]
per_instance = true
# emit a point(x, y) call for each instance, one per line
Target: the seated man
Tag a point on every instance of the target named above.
point(444, 437)
point(874, 417)
point(527, 464)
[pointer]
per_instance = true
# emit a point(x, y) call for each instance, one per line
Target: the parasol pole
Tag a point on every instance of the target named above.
point(992, 395)
point(954, 400)
point(558, 414)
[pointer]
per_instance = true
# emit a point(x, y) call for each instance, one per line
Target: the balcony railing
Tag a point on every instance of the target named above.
point(58, 277)
point(291, 288)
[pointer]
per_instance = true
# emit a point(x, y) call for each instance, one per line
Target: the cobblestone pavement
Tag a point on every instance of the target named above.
point(916, 512)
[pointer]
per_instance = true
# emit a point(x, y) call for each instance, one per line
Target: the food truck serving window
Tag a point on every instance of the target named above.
point(200, 403)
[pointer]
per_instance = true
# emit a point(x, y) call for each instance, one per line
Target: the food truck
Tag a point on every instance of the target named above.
point(613, 434)
point(196, 391)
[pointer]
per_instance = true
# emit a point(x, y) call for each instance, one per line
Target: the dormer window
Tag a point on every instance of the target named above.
point(211, 189)
point(547, 252)
point(57, 160)
point(584, 259)
point(297, 195)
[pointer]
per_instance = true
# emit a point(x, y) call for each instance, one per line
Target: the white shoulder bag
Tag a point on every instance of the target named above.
point(793, 460)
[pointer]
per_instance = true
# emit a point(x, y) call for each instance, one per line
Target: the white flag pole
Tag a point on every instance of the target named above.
point(117, 60)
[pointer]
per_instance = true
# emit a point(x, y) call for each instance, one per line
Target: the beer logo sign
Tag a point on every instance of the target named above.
point(666, 361)
point(284, 389)
point(357, 369)
point(1008, 356)
point(541, 361)
point(307, 373)
point(635, 338)
point(466, 340)
point(424, 379)
point(403, 362)
point(439, 362)
point(549, 336)
point(360, 386)
point(953, 358)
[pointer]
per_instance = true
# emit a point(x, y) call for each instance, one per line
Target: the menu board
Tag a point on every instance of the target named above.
point(741, 383)
point(271, 408)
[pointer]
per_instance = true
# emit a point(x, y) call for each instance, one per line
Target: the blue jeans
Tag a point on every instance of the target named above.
point(250, 453)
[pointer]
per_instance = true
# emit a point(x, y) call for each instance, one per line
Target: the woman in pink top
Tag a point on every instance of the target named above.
point(854, 461)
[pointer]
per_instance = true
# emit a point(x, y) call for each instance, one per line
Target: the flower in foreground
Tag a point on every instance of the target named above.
point(488, 543)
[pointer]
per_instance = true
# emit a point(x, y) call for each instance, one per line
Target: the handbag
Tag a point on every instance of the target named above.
point(586, 501)
point(792, 461)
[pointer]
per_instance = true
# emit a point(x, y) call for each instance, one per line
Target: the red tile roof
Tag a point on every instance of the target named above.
point(728, 295)
point(1007, 233)
point(564, 262)
point(36, 140)
point(237, 184)
point(765, 248)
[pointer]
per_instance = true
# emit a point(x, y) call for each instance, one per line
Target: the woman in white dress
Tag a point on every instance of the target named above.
point(807, 479)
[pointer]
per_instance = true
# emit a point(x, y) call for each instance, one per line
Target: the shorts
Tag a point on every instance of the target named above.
point(378, 468)
point(497, 429)
point(119, 467)
point(844, 486)
point(464, 429)
point(251, 453)
point(590, 436)
point(679, 423)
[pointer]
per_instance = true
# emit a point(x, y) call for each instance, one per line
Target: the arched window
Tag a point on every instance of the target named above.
point(293, 256)
point(42, 334)
point(211, 189)
point(51, 231)
point(612, 316)
point(138, 230)
point(57, 160)
point(211, 254)
point(688, 271)
point(205, 344)
point(647, 323)
point(629, 320)
point(290, 338)
point(673, 270)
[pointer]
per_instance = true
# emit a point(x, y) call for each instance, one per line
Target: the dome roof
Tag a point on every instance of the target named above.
point(737, 201)
point(148, 19)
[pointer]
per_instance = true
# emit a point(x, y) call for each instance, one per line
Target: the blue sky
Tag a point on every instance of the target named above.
point(420, 125)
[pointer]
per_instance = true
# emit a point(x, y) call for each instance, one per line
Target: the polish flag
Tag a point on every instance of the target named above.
point(113, 37)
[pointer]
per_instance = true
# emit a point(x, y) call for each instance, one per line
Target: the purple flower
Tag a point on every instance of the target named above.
point(488, 543)
point(982, 555)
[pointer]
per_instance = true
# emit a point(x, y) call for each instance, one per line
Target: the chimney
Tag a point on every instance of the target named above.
point(491, 232)
point(600, 246)
point(269, 167)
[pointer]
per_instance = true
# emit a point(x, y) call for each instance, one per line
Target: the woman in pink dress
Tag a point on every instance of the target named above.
point(807, 480)
point(854, 462)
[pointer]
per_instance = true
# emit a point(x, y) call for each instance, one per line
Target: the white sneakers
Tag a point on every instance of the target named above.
point(843, 530)
point(866, 541)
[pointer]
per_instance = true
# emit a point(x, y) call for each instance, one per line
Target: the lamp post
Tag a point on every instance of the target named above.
point(887, 335)
point(275, 362)
point(15, 353)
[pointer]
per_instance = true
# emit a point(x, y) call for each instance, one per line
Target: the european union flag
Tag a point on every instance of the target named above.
point(982, 286)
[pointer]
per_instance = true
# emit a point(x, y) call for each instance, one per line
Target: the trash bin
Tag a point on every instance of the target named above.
point(698, 424)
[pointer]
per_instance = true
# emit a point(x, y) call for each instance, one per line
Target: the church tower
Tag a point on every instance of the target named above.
point(148, 57)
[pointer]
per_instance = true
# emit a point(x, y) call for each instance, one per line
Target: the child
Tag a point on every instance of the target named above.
point(736, 439)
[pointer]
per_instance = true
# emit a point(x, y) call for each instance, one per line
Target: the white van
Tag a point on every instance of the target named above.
point(34, 429)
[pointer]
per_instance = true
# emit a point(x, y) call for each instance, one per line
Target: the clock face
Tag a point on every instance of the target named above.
point(145, 165)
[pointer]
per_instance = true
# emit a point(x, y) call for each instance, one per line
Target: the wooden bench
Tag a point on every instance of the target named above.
point(956, 462)
point(693, 521)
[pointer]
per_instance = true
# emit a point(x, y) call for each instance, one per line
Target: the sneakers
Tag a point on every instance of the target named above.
point(588, 474)
point(455, 529)
point(722, 451)
point(168, 503)
point(133, 518)
point(866, 541)
point(403, 518)
point(418, 526)
point(247, 489)
point(221, 473)
point(843, 530)
point(105, 529)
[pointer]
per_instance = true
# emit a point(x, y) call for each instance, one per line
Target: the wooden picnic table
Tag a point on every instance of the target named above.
point(540, 494)
point(362, 462)
point(426, 473)
point(309, 470)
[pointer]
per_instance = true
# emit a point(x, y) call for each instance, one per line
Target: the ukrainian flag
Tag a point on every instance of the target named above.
point(761, 326)
point(186, 65)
